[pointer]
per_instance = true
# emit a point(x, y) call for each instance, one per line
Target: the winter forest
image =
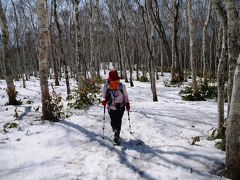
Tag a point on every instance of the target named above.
point(178, 59)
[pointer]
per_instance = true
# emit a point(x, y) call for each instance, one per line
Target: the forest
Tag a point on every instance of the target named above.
point(179, 60)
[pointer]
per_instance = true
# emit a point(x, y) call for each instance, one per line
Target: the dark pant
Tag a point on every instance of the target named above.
point(116, 119)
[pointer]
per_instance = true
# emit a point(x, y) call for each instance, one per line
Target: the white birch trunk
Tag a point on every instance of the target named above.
point(192, 47)
point(233, 46)
point(8, 75)
point(204, 44)
point(92, 22)
point(221, 67)
point(42, 56)
point(152, 50)
point(233, 129)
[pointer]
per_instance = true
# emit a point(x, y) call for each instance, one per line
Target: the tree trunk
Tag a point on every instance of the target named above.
point(192, 47)
point(185, 61)
point(221, 67)
point(19, 69)
point(218, 49)
point(204, 44)
point(176, 75)
point(92, 23)
point(160, 29)
point(233, 46)
point(78, 44)
point(62, 56)
point(8, 75)
point(117, 40)
point(211, 57)
point(233, 126)
point(43, 69)
point(161, 51)
point(221, 82)
point(52, 51)
point(151, 50)
point(128, 57)
point(122, 59)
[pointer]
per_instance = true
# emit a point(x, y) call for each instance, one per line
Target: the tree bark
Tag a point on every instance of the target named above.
point(160, 29)
point(221, 67)
point(161, 57)
point(192, 47)
point(218, 49)
point(233, 46)
point(78, 44)
point(52, 50)
point(62, 56)
point(221, 82)
point(233, 126)
point(151, 49)
point(176, 74)
point(92, 22)
point(8, 75)
point(43, 69)
point(204, 44)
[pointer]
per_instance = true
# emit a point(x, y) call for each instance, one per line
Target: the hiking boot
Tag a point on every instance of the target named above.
point(116, 137)
point(116, 140)
point(116, 133)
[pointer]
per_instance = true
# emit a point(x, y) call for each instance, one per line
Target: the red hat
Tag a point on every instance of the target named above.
point(113, 75)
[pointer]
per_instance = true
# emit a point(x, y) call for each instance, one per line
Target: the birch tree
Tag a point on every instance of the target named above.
point(233, 122)
point(8, 75)
point(78, 54)
point(151, 49)
point(176, 73)
point(62, 55)
point(204, 44)
point(92, 23)
point(192, 46)
point(233, 46)
point(233, 126)
point(221, 67)
point(43, 63)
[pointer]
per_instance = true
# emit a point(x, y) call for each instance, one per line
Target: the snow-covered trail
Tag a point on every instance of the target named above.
point(159, 147)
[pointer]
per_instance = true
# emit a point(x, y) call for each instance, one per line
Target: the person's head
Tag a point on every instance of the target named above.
point(113, 79)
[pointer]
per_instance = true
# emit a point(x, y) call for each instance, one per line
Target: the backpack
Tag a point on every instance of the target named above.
point(108, 93)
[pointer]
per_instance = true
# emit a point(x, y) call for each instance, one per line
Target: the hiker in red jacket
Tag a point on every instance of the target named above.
point(115, 95)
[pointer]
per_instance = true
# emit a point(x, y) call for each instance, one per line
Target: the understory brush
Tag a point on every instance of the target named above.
point(205, 90)
point(86, 96)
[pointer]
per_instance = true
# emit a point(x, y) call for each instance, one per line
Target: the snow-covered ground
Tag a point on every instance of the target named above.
point(159, 147)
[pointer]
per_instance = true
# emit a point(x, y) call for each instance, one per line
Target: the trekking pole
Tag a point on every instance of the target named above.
point(104, 121)
point(129, 123)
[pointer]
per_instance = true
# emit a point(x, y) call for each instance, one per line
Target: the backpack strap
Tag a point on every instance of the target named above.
point(108, 92)
point(120, 87)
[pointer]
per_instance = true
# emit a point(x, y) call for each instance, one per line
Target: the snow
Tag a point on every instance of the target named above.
point(159, 148)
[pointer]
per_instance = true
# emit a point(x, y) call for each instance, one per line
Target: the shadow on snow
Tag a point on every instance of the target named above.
point(140, 147)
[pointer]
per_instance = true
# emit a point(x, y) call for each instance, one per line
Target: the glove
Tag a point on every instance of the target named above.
point(128, 106)
point(104, 103)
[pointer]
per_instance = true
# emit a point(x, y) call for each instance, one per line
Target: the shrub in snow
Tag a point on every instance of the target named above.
point(57, 106)
point(205, 91)
point(195, 139)
point(144, 78)
point(173, 83)
point(86, 96)
point(9, 125)
point(221, 144)
point(29, 102)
